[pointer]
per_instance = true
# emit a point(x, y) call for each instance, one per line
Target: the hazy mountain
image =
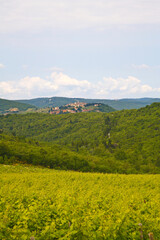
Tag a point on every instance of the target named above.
point(116, 104)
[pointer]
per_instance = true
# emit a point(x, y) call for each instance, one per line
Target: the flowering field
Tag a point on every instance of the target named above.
point(45, 204)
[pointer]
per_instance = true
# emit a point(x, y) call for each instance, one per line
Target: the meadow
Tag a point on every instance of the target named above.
point(44, 204)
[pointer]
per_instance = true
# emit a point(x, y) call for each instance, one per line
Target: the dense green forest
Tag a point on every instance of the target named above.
point(126, 141)
point(117, 104)
point(8, 104)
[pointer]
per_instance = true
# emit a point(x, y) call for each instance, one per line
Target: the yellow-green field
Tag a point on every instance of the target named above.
point(49, 204)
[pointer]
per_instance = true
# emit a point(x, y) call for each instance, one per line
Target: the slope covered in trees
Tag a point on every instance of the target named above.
point(5, 105)
point(20, 150)
point(125, 141)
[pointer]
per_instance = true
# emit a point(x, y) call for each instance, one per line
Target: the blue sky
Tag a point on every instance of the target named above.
point(93, 49)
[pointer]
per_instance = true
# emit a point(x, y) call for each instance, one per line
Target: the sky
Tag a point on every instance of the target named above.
point(92, 49)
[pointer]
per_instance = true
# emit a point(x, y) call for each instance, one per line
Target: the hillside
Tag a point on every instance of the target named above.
point(75, 107)
point(78, 107)
point(122, 141)
point(116, 104)
point(20, 150)
point(8, 106)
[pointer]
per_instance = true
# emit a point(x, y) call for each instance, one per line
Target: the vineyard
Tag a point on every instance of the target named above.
point(44, 204)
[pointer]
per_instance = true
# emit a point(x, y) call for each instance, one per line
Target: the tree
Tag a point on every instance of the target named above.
point(4, 150)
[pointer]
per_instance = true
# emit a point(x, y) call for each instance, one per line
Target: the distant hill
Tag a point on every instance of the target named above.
point(81, 107)
point(116, 104)
point(8, 106)
point(125, 141)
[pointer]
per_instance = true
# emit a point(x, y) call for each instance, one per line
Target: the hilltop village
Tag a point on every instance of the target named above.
point(76, 107)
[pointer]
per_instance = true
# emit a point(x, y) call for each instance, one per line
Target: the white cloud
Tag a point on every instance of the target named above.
point(145, 66)
point(7, 88)
point(141, 66)
point(60, 84)
point(61, 79)
point(54, 69)
point(17, 15)
point(30, 87)
point(2, 65)
point(125, 87)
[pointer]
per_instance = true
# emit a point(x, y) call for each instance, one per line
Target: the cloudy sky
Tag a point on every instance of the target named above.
point(88, 48)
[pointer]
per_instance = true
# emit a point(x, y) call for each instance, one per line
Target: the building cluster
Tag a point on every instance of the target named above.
point(72, 108)
point(76, 104)
point(11, 110)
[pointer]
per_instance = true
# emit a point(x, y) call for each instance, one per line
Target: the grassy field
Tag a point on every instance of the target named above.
point(49, 204)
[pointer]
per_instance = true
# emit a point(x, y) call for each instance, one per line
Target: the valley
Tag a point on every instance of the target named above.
point(124, 141)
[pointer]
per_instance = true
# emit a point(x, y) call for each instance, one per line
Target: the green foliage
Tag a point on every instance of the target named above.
point(7, 104)
point(50, 204)
point(4, 150)
point(20, 150)
point(123, 141)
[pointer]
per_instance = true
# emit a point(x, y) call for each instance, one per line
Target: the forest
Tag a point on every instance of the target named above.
point(126, 141)
point(5, 105)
